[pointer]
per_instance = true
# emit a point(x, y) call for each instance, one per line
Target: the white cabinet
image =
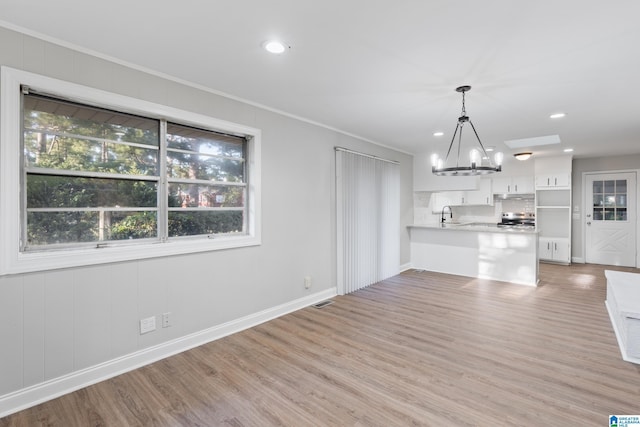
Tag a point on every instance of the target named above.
point(513, 185)
point(481, 197)
point(554, 249)
point(554, 180)
point(553, 208)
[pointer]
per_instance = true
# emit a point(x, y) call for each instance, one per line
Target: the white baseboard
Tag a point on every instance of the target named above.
point(31, 396)
point(405, 267)
point(577, 260)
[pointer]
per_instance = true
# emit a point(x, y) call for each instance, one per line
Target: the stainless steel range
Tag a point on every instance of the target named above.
point(518, 220)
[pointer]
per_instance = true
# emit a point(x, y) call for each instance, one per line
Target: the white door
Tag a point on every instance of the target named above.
point(611, 219)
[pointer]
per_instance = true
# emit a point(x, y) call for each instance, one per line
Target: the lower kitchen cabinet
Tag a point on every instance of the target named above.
point(556, 249)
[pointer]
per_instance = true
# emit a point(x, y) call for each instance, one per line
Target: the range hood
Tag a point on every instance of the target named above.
point(523, 196)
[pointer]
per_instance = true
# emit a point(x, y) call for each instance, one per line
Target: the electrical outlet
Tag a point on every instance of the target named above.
point(166, 320)
point(147, 325)
point(307, 282)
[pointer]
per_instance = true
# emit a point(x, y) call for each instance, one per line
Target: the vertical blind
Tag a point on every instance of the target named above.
point(368, 220)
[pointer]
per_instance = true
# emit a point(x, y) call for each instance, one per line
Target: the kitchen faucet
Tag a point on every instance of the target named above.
point(442, 219)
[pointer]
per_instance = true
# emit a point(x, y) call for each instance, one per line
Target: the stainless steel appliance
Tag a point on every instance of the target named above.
point(518, 220)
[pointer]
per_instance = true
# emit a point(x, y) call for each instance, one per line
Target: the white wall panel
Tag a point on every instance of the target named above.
point(60, 62)
point(34, 334)
point(92, 315)
point(123, 315)
point(89, 70)
point(33, 54)
point(58, 323)
point(11, 350)
point(152, 294)
point(183, 287)
point(11, 43)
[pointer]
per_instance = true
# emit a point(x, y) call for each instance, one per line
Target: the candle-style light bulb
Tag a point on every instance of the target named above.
point(434, 160)
point(474, 157)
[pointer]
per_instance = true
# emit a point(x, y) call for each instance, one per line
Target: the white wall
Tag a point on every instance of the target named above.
point(54, 324)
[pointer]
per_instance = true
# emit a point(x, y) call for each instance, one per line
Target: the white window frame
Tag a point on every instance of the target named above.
point(13, 261)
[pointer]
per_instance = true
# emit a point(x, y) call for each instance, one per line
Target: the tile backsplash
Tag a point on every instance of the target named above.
point(517, 205)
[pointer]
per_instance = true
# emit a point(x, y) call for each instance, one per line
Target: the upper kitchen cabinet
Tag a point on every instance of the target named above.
point(553, 172)
point(424, 180)
point(513, 185)
point(554, 180)
point(480, 197)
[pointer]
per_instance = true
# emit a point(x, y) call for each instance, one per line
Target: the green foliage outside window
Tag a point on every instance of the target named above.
point(93, 175)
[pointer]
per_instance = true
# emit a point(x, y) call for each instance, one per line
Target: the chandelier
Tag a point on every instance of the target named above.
point(479, 161)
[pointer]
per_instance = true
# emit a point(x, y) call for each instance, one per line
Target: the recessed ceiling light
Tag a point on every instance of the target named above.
point(568, 150)
point(438, 133)
point(557, 116)
point(274, 46)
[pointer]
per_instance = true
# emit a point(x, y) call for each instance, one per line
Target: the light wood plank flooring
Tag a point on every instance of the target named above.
point(419, 349)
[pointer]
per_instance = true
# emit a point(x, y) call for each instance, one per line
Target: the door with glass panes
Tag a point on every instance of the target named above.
point(610, 223)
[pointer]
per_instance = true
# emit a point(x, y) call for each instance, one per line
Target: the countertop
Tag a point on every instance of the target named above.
point(474, 226)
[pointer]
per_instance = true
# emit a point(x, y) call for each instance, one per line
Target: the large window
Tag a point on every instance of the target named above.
point(85, 170)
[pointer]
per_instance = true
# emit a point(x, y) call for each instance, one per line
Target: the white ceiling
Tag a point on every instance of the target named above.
point(386, 70)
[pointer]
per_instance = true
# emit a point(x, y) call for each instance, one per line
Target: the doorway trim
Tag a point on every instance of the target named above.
point(583, 222)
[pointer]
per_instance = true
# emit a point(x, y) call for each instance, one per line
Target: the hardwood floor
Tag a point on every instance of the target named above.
point(418, 349)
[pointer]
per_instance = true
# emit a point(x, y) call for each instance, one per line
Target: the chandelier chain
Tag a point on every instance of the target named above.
point(464, 111)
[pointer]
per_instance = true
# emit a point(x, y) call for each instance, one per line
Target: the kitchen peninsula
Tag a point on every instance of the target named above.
point(476, 250)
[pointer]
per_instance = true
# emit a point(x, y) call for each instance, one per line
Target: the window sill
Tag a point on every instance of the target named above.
point(27, 262)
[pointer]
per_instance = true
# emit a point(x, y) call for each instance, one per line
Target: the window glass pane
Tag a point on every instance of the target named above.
point(598, 200)
point(57, 117)
point(77, 154)
point(69, 136)
point(609, 200)
point(47, 228)
point(199, 196)
point(46, 191)
point(609, 186)
point(200, 166)
point(203, 141)
point(205, 155)
point(621, 186)
point(621, 200)
point(132, 225)
point(191, 223)
point(609, 214)
point(598, 214)
point(598, 187)
point(621, 214)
